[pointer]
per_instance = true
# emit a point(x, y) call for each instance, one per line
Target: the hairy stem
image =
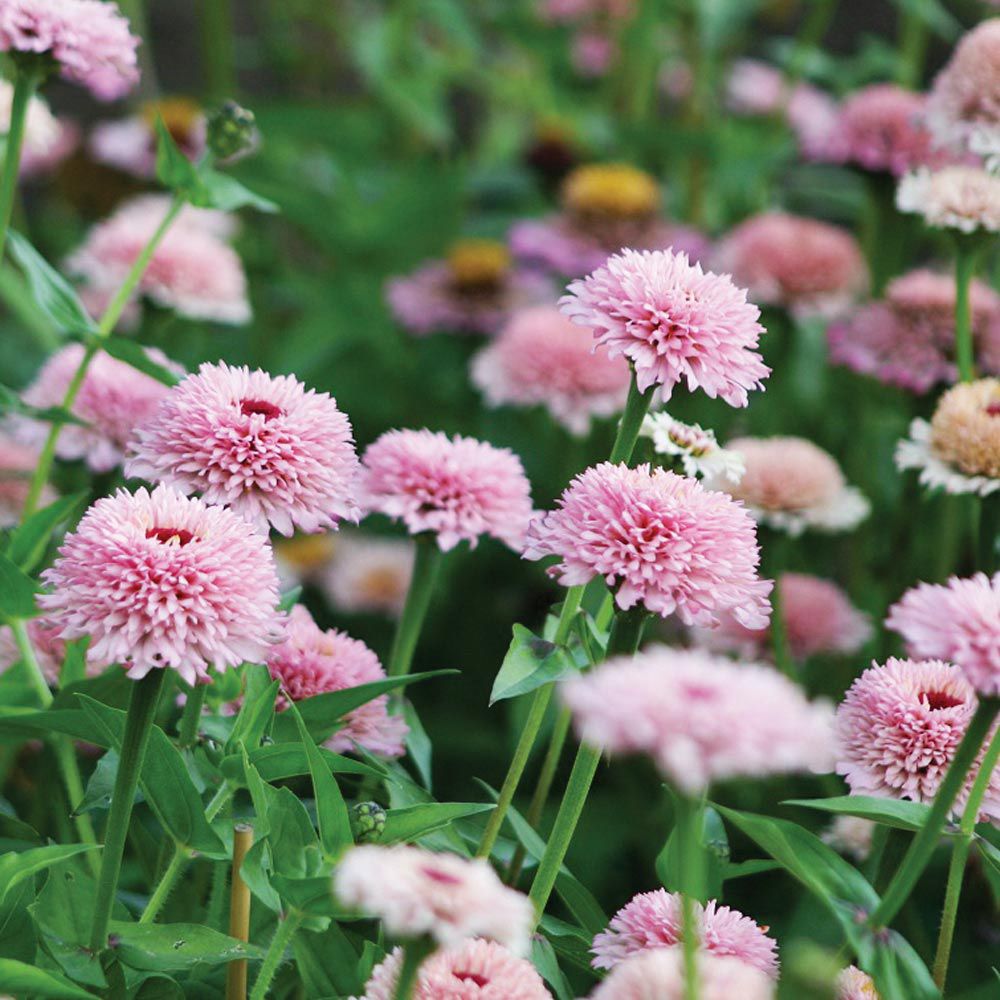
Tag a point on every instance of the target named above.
point(178, 862)
point(26, 82)
point(275, 953)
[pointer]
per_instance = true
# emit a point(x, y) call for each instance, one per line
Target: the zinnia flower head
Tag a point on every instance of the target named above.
point(850, 835)
point(818, 618)
point(193, 270)
point(311, 661)
point(674, 322)
point(963, 198)
point(655, 920)
point(416, 892)
point(701, 718)
point(853, 984)
point(47, 139)
point(658, 539)
point(542, 358)
point(956, 621)
point(458, 487)
point(474, 970)
point(89, 40)
point(274, 451)
point(696, 447)
point(161, 580)
point(791, 485)
point(898, 728)
point(113, 400)
point(803, 265)
point(17, 462)
point(659, 975)
point(369, 574)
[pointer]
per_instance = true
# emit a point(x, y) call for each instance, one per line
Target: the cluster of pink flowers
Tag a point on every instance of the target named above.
point(17, 462)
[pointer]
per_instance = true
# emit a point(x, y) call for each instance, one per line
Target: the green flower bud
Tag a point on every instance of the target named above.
point(367, 822)
point(232, 131)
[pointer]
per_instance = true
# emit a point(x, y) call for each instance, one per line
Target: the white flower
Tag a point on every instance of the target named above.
point(957, 197)
point(917, 452)
point(697, 448)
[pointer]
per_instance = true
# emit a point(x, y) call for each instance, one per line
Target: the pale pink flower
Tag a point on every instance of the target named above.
point(800, 264)
point(853, 984)
point(416, 892)
point(47, 139)
point(791, 485)
point(818, 618)
point(593, 52)
point(958, 621)
point(898, 728)
point(17, 463)
point(658, 539)
point(701, 718)
point(50, 650)
point(274, 451)
point(755, 88)
point(850, 835)
point(813, 115)
point(695, 446)
point(129, 144)
point(369, 574)
point(674, 322)
point(193, 270)
point(659, 975)
point(311, 661)
point(458, 488)
point(113, 400)
point(542, 358)
point(160, 580)
point(655, 920)
point(88, 39)
point(963, 198)
point(473, 970)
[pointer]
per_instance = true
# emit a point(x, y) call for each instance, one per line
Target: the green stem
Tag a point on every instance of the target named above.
point(692, 874)
point(636, 408)
point(914, 34)
point(413, 957)
point(218, 53)
point(138, 725)
point(275, 953)
point(814, 28)
point(26, 82)
point(187, 732)
point(418, 598)
point(926, 839)
point(965, 268)
point(959, 856)
point(166, 884)
point(222, 795)
point(779, 634)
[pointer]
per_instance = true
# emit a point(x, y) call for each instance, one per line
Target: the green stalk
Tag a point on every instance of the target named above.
point(187, 731)
point(914, 34)
point(636, 408)
point(965, 268)
point(779, 634)
point(138, 725)
point(414, 954)
point(926, 839)
point(811, 34)
point(959, 856)
point(218, 53)
point(26, 82)
point(107, 323)
point(275, 953)
point(692, 874)
point(626, 634)
point(165, 885)
point(222, 795)
point(418, 598)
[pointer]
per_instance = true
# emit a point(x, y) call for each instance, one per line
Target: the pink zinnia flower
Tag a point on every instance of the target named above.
point(193, 270)
point(160, 580)
point(458, 488)
point(113, 400)
point(541, 358)
point(659, 975)
point(658, 539)
point(416, 892)
point(853, 984)
point(264, 445)
point(17, 463)
point(898, 728)
point(473, 970)
point(311, 661)
point(959, 622)
point(963, 198)
point(369, 574)
point(673, 321)
point(89, 40)
point(803, 265)
point(654, 920)
point(818, 618)
point(701, 718)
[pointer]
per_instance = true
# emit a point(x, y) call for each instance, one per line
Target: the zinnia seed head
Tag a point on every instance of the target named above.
point(618, 190)
point(478, 264)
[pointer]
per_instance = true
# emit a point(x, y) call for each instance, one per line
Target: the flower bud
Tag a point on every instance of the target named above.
point(367, 822)
point(232, 131)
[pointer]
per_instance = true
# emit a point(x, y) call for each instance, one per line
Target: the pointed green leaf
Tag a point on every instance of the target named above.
point(168, 947)
point(173, 169)
point(544, 960)
point(895, 813)
point(413, 822)
point(27, 544)
point(11, 402)
point(17, 591)
point(715, 846)
point(15, 867)
point(254, 717)
point(29, 980)
point(136, 356)
point(531, 662)
point(288, 760)
point(225, 193)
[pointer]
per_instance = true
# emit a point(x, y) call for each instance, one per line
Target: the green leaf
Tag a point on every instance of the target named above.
point(418, 745)
point(159, 988)
point(254, 718)
point(531, 662)
point(889, 812)
point(289, 599)
point(52, 293)
point(28, 542)
point(29, 980)
point(15, 867)
point(544, 960)
point(412, 822)
point(167, 947)
point(312, 897)
point(327, 963)
point(17, 591)
point(295, 849)
point(898, 971)
point(715, 847)
point(173, 169)
point(223, 192)
point(136, 355)
point(288, 760)
point(11, 402)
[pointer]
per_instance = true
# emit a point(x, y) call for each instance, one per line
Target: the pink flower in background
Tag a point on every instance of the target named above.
point(674, 322)
point(659, 975)
point(593, 52)
point(473, 970)
point(193, 271)
point(963, 198)
point(47, 140)
point(657, 539)
point(701, 718)
point(160, 580)
point(754, 87)
point(812, 116)
point(90, 40)
point(458, 488)
point(113, 400)
point(17, 463)
point(898, 728)
point(958, 621)
point(274, 451)
point(853, 984)
point(50, 650)
point(311, 661)
point(416, 892)
point(803, 265)
point(818, 618)
point(654, 920)
point(368, 574)
point(541, 358)
point(851, 836)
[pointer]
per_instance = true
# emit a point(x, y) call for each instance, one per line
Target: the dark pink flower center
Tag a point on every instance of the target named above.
point(165, 535)
point(940, 699)
point(442, 877)
point(259, 407)
point(993, 409)
point(472, 977)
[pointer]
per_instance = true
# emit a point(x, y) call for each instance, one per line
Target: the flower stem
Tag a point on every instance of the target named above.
point(692, 872)
point(414, 954)
point(222, 795)
point(275, 953)
point(26, 82)
point(926, 839)
point(239, 913)
point(187, 732)
point(914, 34)
point(418, 598)
point(814, 28)
point(636, 408)
point(165, 885)
point(965, 268)
point(138, 725)
point(959, 856)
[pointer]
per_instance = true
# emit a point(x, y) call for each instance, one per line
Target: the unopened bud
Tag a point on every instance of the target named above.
point(232, 131)
point(367, 822)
